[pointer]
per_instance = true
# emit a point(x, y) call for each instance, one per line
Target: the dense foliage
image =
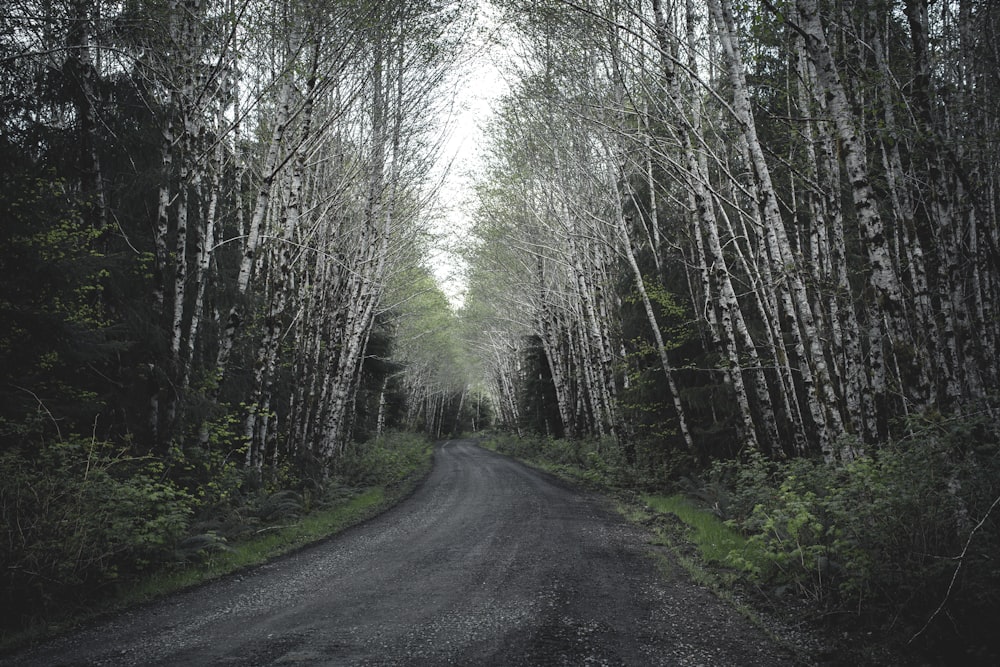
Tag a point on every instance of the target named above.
point(902, 540)
point(77, 515)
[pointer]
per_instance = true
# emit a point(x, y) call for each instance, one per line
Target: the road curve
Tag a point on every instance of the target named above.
point(488, 563)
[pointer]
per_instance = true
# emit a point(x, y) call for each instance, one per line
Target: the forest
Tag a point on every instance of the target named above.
point(743, 248)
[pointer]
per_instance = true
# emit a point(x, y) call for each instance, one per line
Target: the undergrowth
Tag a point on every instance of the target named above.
point(594, 462)
point(715, 540)
point(901, 542)
point(91, 529)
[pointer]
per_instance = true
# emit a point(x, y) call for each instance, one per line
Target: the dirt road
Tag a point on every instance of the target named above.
point(488, 563)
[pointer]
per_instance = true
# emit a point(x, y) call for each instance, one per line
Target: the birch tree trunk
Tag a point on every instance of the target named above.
point(661, 348)
point(730, 315)
point(885, 325)
point(273, 165)
point(821, 397)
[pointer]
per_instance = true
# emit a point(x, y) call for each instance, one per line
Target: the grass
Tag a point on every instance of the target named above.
point(707, 533)
point(713, 538)
point(270, 542)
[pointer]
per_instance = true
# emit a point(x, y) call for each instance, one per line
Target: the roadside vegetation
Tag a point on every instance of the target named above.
point(91, 530)
point(890, 556)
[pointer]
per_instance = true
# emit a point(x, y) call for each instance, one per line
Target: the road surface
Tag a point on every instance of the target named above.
point(488, 563)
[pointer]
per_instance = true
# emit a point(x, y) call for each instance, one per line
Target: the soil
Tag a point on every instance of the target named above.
point(489, 562)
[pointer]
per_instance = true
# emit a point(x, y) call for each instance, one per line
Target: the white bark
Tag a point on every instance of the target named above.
point(661, 348)
point(821, 398)
point(882, 276)
point(729, 313)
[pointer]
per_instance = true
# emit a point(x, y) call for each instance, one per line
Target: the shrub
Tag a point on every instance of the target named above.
point(386, 460)
point(78, 514)
point(882, 537)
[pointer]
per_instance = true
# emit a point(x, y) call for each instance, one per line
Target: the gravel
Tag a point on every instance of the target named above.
point(488, 563)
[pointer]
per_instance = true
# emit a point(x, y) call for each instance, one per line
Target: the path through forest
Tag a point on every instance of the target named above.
point(488, 563)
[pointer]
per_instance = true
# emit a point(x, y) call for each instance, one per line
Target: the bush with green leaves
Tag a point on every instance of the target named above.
point(906, 534)
point(386, 460)
point(597, 461)
point(78, 514)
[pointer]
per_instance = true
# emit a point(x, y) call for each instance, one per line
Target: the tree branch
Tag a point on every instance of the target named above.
point(961, 560)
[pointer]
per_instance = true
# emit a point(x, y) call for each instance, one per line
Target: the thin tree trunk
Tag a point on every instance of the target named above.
point(705, 216)
point(885, 320)
point(821, 397)
point(661, 348)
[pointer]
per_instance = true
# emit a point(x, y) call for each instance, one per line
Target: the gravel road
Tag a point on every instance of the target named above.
point(488, 563)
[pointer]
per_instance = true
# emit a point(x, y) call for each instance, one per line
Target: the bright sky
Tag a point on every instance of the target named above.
point(479, 87)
